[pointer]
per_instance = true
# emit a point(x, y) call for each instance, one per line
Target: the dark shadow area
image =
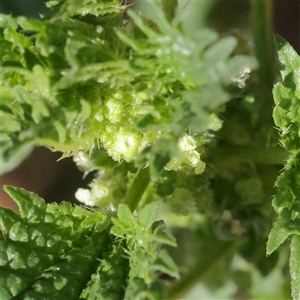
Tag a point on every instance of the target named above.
point(30, 8)
point(287, 21)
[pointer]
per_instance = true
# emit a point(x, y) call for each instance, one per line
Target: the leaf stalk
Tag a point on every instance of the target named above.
point(137, 189)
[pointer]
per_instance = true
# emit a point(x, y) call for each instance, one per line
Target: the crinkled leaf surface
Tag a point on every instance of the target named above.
point(49, 251)
point(55, 251)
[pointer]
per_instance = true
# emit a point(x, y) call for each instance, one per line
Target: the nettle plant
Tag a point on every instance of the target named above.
point(177, 126)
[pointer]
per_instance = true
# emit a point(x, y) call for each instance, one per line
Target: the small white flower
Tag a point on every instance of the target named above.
point(84, 196)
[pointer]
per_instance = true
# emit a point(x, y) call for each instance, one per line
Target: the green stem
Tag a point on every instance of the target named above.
point(261, 21)
point(137, 189)
point(214, 253)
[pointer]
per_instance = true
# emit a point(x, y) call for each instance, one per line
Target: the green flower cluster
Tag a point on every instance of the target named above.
point(80, 80)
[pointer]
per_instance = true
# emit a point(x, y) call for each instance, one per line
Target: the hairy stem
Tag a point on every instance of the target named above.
point(214, 253)
point(261, 23)
point(138, 187)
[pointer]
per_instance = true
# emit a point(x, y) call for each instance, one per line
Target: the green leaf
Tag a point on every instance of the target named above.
point(165, 264)
point(46, 251)
point(286, 96)
point(69, 8)
point(30, 204)
point(288, 57)
point(8, 21)
point(110, 279)
point(147, 215)
point(126, 217)
point(54, 250)
point(286, 117)
point(140, 290)
point(163, 235)
point(8, 218)
point(295, 266)
point(143, 246)
point(279, 233)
